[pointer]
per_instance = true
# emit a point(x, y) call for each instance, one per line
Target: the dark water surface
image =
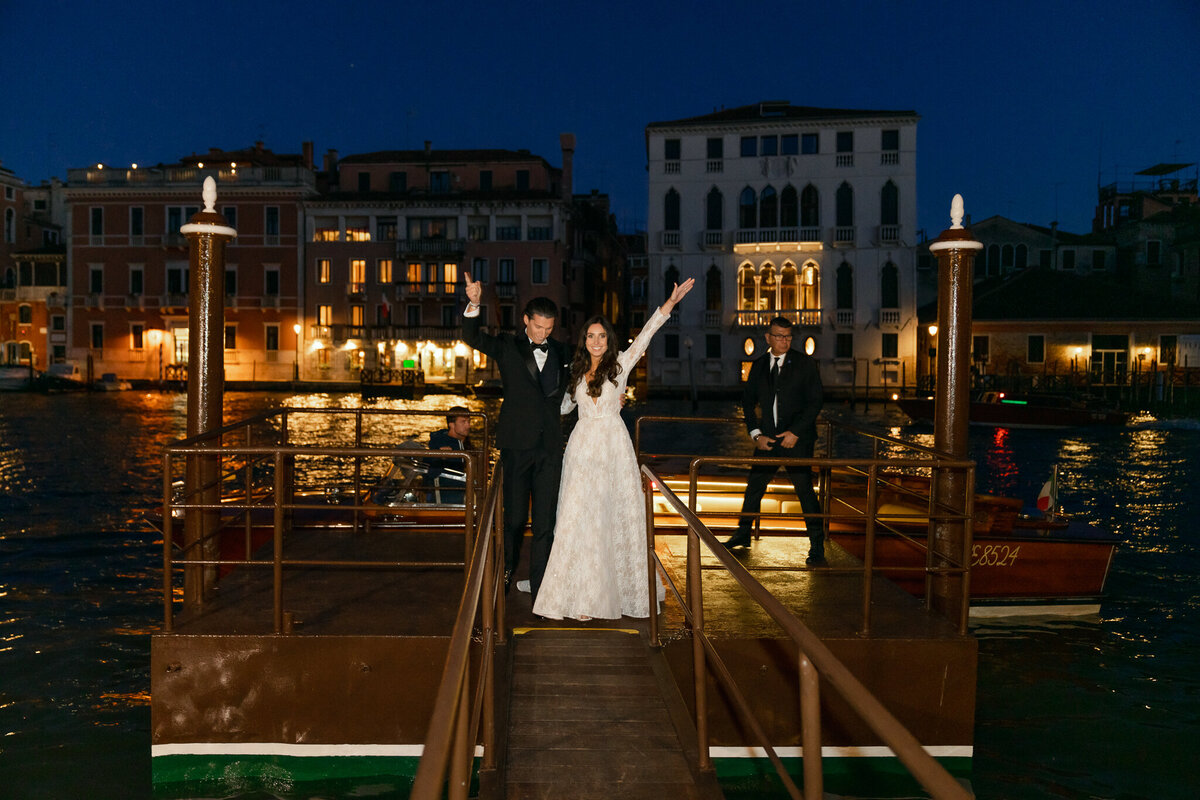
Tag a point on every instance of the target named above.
point(1097, 708)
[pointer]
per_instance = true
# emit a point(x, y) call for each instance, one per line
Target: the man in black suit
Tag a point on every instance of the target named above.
point(534, 373)
point(780, 403)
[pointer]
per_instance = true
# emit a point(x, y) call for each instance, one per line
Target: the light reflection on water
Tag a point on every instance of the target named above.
point(1096, 708)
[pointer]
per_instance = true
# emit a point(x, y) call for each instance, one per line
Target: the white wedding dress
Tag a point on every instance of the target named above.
point(598, 563)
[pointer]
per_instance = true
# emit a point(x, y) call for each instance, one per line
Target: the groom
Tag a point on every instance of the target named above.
point(533, 371)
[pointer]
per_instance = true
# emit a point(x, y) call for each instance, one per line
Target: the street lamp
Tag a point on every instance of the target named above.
point(296, 355)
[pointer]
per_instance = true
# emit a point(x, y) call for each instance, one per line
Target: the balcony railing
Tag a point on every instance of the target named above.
point(889, 158)
point(714, 165)
point(168, 175)
point(712, 239)
point(270, 301)
point(843, 234)
point(133, 301)
point(845, 159)
point(807, 317)
point(844, 318)
point(889, 317)
point(433, 247)
point(173, 300)
point(671, 167)
point(320, 332)
point(670, 238)
point(506, 289)
point(889, 233)
point(810, 234)
point(356, 289)
point(712, 319)
point(8, 295)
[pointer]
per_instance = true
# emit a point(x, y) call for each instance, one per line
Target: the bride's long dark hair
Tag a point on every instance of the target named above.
point(607, 370)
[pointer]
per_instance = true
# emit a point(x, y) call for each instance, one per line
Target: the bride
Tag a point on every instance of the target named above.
point(598, 564)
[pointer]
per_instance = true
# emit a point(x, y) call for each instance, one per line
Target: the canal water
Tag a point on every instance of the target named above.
point(1101, 707)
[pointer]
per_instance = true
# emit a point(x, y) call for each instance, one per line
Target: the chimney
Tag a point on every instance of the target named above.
point(567, 141)
point(428, 148)
point(331, 160)
point(307, 149)
point(258, 147)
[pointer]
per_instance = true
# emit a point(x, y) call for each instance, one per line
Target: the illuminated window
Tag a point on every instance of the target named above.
point(357, 229)
point(768, 286)
point(325, 229)
point(325, 315)
point(358, 271)
point(810, 287)
point(384, 270)
point(324, 270)
point(747, 289)
point(450, 278)
point(789, 293)
point(748, 346)
point(357, 315)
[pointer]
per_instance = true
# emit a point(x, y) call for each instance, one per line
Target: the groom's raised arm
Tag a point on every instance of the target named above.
point(472, 324)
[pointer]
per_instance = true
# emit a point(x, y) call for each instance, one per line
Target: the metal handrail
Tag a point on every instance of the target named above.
point(815, 660)
point(937, 564)
point(448, 750)
point(278, 495)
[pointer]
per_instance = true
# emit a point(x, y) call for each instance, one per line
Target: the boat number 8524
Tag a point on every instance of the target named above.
point(994, 555)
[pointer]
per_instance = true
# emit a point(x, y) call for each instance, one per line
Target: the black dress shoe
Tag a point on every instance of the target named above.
point(816, 560)
point(739, 540)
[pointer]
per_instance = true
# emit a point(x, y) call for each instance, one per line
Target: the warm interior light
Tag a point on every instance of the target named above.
point(134, 165)
point(200, 165)
point(99, 166)
point(933, 330)
point(460, 349)
point(748, 346)
point(296, 328)
point(810, 345)
point(1076, 351)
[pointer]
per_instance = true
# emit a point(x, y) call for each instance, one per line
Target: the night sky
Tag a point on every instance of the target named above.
point(1024, 105)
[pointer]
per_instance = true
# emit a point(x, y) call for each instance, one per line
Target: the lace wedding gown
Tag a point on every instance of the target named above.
point(597, 566)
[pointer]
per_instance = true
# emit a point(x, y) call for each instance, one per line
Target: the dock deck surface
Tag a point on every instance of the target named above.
point(423, 601)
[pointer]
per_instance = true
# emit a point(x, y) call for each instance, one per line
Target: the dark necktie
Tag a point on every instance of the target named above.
point(774, 371)
point(543, 347)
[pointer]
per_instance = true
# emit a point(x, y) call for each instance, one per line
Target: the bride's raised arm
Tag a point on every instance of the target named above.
point(630, 357)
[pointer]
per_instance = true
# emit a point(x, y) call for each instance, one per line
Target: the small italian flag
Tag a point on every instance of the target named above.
point(1048, 498)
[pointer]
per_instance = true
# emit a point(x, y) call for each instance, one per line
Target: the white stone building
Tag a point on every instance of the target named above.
point(775, 209)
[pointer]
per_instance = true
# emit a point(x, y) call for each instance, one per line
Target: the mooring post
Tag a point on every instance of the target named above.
point(207, 232)
point(955, 251)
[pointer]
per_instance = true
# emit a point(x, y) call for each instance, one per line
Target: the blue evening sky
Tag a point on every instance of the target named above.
point(1023, 104)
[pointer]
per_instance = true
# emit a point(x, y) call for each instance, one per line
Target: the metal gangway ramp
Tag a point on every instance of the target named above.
point(593, 713)
point(565, 710)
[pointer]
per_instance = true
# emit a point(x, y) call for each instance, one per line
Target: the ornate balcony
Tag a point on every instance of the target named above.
point(889, 318)
point(431, 247)
point(805, 317)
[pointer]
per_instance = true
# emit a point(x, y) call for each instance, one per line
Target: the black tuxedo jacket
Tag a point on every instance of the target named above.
point(798, 390)
point(529, 417)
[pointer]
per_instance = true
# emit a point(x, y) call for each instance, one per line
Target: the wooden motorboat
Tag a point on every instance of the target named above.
point(999, 409)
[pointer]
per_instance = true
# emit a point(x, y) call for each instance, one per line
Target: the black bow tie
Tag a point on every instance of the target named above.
point(545, 348)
